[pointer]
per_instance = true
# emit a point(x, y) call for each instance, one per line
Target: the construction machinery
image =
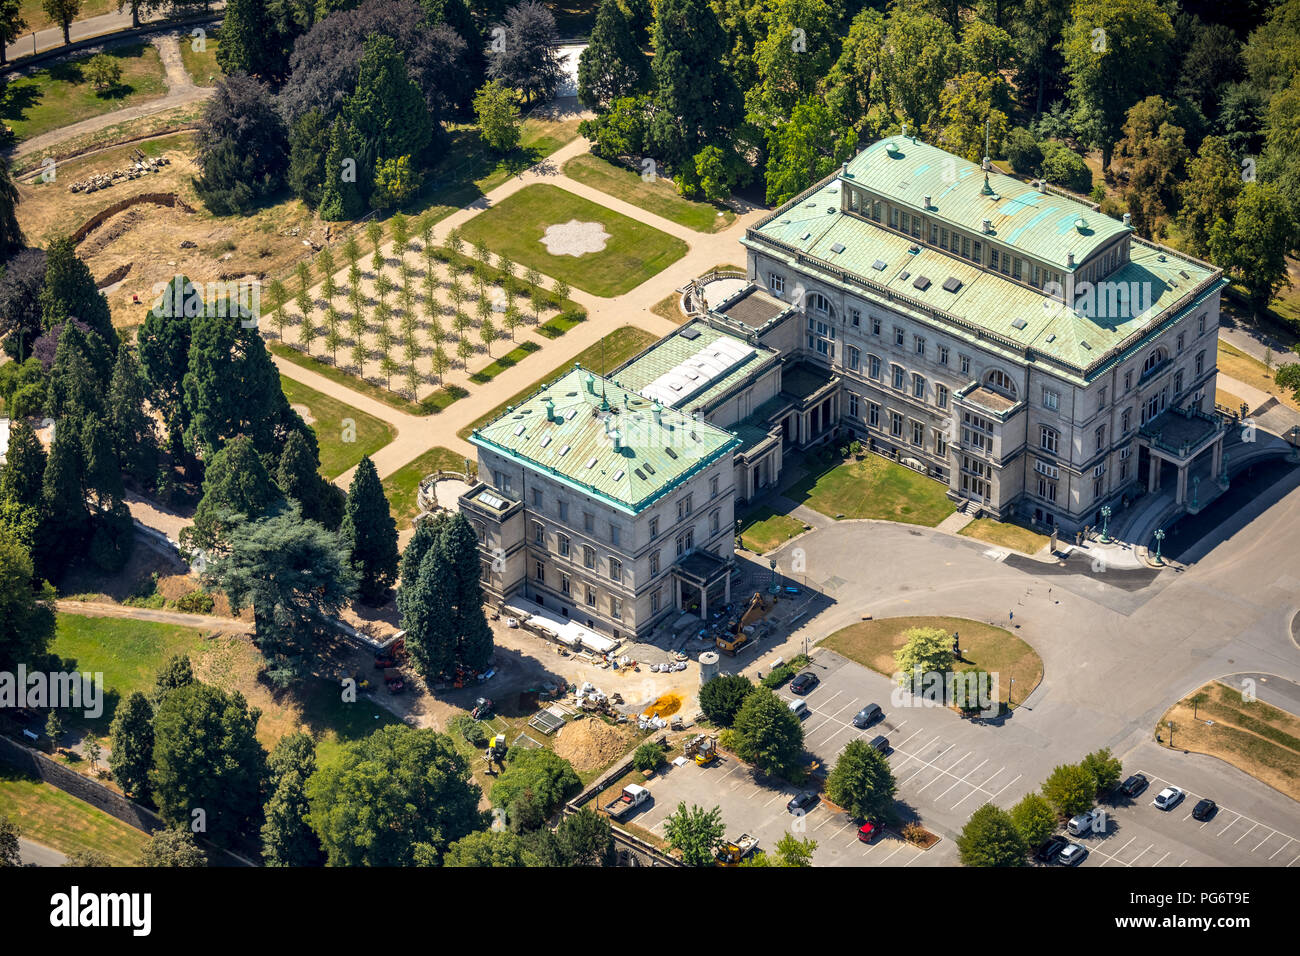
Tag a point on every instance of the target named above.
point(753, 613)
point(703, 748)
point(732, 852)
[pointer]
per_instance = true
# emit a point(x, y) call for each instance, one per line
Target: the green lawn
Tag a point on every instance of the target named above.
point(428, 405)
point(47, 815)
point(33, 13)
point(401, 486)
point(873, 488)
point(341, 446)
point(509, 360)
point(1006, 534)
point(765, 529)
point(659, 197)
point(128, 653)
point(611, 352)
point(984, 647)
point(202, 66)
point(60, 94)
point(633, 253)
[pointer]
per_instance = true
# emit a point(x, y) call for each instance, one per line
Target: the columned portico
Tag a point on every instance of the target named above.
point(697, 575)
point(1180, 437)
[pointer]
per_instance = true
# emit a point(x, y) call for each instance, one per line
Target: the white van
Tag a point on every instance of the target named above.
point(799, 707)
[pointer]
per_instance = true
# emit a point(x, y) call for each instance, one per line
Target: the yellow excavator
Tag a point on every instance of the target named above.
point(732, 852)
point(730, 644)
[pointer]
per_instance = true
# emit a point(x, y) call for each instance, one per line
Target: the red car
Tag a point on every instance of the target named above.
point(867, 832)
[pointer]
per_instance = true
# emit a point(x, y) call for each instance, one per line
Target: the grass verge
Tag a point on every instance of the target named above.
point(345, 434)
point(873, 488)
point(45, 814)
point(658, 196)
point(1006, 534)
point(402, 486)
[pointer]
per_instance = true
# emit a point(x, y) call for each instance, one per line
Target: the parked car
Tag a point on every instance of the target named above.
point(801, 801)
point(881, 743)
point(1168, 798)
point(1073, 854)
point(1050, 848)
point(1085, 823)
point(867, 716)
point(804, 682)
point(799, 707)
point(867, 832)
point(1133, 785)
point(482, 707)
point(1204, 810)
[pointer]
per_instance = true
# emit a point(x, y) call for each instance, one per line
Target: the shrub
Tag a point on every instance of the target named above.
point(722, 696)
point(470, 729)
point(648, 756)
point(1023, 151)
point(778, 676)
point(1064, 167)
point(197, 601)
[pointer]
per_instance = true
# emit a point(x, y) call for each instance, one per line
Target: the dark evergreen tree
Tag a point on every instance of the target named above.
point(429, 620)
point(387, 111)
point(20, 302)
point(131, 756)
point(70, 292)
point(370, 534)
point(164, 343)
point(299, 478)
point(173, 675)
point(530, 60)
point(463, 563)
point(612, 66)
point(241, 147)
point(66, 519)
point(287, 839)
point(341, 195)
point(455, 15)
point(586, 839)
point(78, 381)
point(102, 470)
point(699, 102)
point(309, 145)
point(133, 435)
point(11, 235)
point(248, 45)
point(235, 486)
point(207, 758)
point(22, 474)
point(442, 609)
point(112, 537)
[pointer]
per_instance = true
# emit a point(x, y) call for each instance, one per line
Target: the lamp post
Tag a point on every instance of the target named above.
point(1223, 475)
point(1105, 523)
point(1160, 536)
point(772, 588)
point(1196, 481)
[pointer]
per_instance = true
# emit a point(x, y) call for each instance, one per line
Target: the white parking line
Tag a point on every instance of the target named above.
point(825, 706)
point(996, 795)
point(1283, 847)
point(1162, 859)
point(1139, 856)
point(892, 855)
point(1229, 826)
point(963, 779)
point(1244, 835)
point(949, 772)
point(1265, 840)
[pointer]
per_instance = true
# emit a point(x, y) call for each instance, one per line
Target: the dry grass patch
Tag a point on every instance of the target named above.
point(1006, 534)
point(1260, 739)
point(1244, 368)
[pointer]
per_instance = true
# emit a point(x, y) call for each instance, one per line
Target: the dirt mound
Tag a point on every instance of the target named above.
point(590, 744)
point(665, 706)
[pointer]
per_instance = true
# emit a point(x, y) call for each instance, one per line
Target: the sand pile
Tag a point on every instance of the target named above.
point(591, 743)
point(665, 706)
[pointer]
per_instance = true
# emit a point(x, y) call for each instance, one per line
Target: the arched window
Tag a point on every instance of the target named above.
point(1001, 381)
point(1153, 361)
point(819, 304)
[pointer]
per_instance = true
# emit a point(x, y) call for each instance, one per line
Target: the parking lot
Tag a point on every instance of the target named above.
point(1138, 834)
point(749, 806)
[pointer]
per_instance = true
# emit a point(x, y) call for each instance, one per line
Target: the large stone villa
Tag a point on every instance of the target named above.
point(1002, 337)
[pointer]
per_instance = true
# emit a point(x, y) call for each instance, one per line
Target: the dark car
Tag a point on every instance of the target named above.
point(1050, 848)
point(801, 801)
point(804, 682)
point(1133, 785)
point(482, 707)
point(1204, 810)
point(867, 716)
point(881, 743)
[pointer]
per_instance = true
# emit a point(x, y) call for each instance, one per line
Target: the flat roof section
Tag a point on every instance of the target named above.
point(755, 308)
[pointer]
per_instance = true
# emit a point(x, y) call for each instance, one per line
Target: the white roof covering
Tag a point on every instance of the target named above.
point(565, 630)
point(711, 362)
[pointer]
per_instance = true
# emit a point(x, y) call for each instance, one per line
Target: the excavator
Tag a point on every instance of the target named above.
point(731, 643)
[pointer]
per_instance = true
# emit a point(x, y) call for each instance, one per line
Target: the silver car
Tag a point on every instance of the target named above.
point(1168, 798)
point(1073, 854)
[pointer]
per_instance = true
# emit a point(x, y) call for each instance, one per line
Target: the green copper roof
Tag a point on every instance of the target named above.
point(693, 366)
point(1043, 225)
point(598, 438)
point(987, 307)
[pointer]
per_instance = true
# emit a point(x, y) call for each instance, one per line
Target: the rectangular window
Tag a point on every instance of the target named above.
point(896, 424)
point(918, 386)
point(539, 570)
point(918, 434)
point(965, 364)
point(713, 486)
point(943, 355)
point(1051, 399)
point(1126, 420)
point(893, 216)
point(588, 556)
point(591, 596)
point(1128, 380)
point(1017, 269)
point(978, 254)
point(715, 521)
point(656, 600)
point(943, 238)
point(853, 405)
point(907, 222)
point(875, 326)
point(1047, 489)
point(776, 283)
point(685, 542)
point(1178, 381)
point(654, 563)
point(873, 367)
point(965, 247)
point(1201, 322)
point(1182, 337)
point(1200, 362)
point(920, 345)
point(941, 395)
point(873, 414)
point(616, 608)
point(898, 376)
point(566, 585)
point(537, 498)
point(934, 233)
point(684, 508)
point(940, 443)
point(539, 534)
point(1049, 439)
point(562, 541)
point(588, 522)
point(993, 259)
point(1123, 470)
point(615, 569)
point(1101, 397)
point(615, 534)
point(654, 527)
point(1099, 487)
point(898, 336)
point(1100, 435)
point(855, 358)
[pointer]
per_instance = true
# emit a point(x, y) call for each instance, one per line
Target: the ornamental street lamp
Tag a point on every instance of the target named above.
point(1196, 481)
point(1105, 521)
point(772, 588)
point(1160, 537)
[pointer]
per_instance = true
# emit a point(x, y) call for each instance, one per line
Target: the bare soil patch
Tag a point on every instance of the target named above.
point(591, 743)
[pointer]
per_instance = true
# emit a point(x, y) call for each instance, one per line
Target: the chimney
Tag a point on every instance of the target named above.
point(987, 226)
point(618, 447)
point(591, 383)
point(550, 409)
point(1128, 219)
point(1042, 185)
point(904, 133)
point(926, 205)
point(987, 164)
point(1069, 259)
point(657, 411)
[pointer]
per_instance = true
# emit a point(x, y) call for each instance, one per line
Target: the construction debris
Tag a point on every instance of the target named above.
point(141, 165)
